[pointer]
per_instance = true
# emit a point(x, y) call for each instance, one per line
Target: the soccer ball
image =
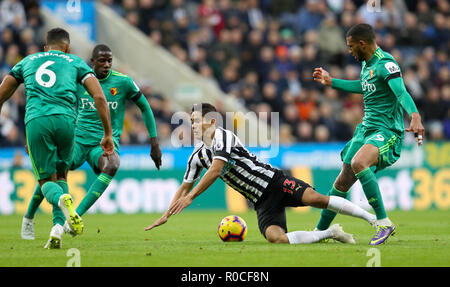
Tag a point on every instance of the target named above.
point(232, 228)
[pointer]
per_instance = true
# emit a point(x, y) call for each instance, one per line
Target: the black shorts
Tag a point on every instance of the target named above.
point(284, 191)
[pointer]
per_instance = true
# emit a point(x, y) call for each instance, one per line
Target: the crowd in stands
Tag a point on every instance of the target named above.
point(263, 53)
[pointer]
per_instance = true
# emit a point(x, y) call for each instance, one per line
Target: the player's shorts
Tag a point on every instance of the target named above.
point(82, 153)
point(389, 144)
point(284, 191)
point(50, 141)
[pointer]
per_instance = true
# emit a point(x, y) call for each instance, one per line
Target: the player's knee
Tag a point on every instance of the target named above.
point(61, 175)
point(314, 199)
point(343, 185)
point(112, 166)
point(275, 239)
point(358, 165)
point(275, 234)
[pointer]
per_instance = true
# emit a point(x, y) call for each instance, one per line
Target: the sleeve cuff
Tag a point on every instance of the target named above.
point(393, 76)
point(87, 76)
point(221, 158)
point(20, 81)
point(136, 97)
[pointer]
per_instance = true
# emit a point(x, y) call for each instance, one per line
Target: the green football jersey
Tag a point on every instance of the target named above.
point(51, 79)
point(381, 106)
point(118, 88)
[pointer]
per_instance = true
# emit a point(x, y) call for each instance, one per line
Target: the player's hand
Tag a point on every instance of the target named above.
point(417, 128)
point(322, 76)
point(163, 219)
point(107, 145)
point(155, 152)
point(180, 204)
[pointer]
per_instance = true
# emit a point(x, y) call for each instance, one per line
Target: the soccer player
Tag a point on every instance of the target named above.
point(268, 188)
point(377, 141)
point(51, 80)
point(118, 88)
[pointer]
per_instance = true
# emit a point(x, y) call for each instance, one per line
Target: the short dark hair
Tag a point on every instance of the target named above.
point(204, 108)
point(100, 48)
point(57, 36)
point(362, 32)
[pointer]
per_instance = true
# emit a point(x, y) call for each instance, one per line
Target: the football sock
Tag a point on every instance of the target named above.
point(305, 237)
point(58, 215)
point(35, 201)
point(372, 191)
point(63, 185)
point(384, 222)
point(52, 192)
point(95, 191)
point(343, 206)
point(327, 216)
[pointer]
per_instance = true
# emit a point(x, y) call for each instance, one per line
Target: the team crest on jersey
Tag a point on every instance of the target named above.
point(113, 91)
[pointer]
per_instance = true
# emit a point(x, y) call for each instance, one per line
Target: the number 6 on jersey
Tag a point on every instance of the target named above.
point(41, 71)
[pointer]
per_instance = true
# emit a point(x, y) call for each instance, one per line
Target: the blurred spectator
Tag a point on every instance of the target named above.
point(331, 41)
point(321, 134)
point(19, 25)
point(12, 13)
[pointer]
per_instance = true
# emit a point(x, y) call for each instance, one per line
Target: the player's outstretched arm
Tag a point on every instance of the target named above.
point(184, 189)
point(7, 89)
point(205, 182)
point(398, 88)
point(94, 89)
point(149, 121)
point(322, 76)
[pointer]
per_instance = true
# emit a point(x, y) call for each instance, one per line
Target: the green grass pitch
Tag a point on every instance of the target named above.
point(190, 240)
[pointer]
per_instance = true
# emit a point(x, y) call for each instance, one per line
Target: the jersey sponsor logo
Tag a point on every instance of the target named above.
point(113, 91)
point(392, 67)
point(226, 168)
point(366, 86)
point(89, 105)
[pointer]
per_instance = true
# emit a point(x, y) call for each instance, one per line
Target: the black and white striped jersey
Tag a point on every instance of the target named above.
point(243, 171)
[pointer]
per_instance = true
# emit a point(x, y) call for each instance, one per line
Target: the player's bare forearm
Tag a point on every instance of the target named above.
point(95, 90)
point(208, 179)
point(7, 89)
point(205, 182)
point(184, 189)
point(103, 112)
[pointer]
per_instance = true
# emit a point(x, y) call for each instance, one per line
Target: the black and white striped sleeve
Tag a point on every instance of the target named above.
point(194, 166)
point(224, 141)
